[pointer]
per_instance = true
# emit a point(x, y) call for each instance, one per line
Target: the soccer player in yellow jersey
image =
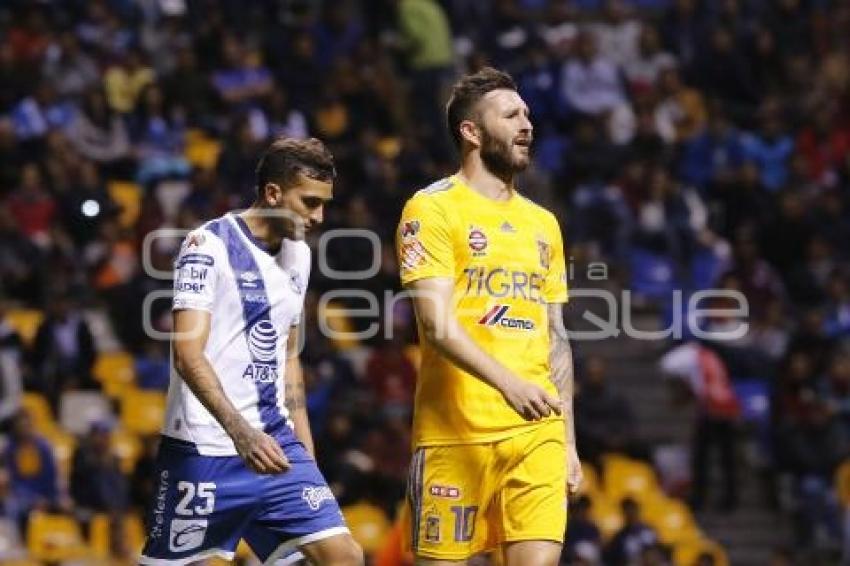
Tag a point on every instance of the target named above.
point(494, 451)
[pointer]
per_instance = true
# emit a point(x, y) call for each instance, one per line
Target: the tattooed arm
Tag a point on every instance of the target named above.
point(260, 451)
point(562, 375)
point(296, 401)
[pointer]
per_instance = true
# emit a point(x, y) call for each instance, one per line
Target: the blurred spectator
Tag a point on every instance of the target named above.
point(35, 483)
point(644, 69)
point(770, 147)
point(427, 47)
point(604, 420)
point(158, 137)
point(142, 481)
point(756, 279)
point(583, 538)
point(35, 115)
point(70, 70)
point(11, 365)
point(681, 106)
point(704, 374)
point(244, 80)
point(124, 82)
point(100, 135)
point(63, 351)
point(11, 547)
point(591, 83)
point(392, 377)
point(32, 205)
point(630, 542)
point(97, 484)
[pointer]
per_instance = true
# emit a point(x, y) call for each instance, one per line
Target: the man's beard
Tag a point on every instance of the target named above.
point(497, 157)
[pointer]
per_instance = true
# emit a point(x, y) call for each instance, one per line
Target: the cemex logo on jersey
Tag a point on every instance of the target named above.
point(496, 316)
point(187, 534)
point(315, 496)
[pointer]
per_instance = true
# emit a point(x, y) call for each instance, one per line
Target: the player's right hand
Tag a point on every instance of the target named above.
point(259, 451)
point(530, 400)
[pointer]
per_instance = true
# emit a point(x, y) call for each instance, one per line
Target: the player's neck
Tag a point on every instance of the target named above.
point(259, 226)
point(485, 182)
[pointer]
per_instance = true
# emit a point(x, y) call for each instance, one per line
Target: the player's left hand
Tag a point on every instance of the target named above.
point(574, 473)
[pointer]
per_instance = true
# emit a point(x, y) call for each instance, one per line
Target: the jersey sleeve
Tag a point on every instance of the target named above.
point(555, 286)
point(424, 245)
point(196, 272)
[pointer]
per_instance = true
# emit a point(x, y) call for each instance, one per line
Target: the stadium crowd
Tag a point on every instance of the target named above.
point(688, 144)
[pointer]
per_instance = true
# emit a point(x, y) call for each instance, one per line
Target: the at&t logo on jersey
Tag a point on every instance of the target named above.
point(263, 344)
point(496, 317)
point(315, 496)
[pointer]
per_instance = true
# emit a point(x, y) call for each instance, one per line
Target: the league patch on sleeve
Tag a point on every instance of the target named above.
point(413, 254)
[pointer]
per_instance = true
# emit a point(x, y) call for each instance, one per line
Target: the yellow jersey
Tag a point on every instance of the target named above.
point(506, 259)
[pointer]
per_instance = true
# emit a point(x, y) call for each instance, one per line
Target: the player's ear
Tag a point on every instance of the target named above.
point(272, 194)
point(469, 131)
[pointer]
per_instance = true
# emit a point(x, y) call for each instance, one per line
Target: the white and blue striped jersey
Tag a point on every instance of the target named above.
point(254, 299)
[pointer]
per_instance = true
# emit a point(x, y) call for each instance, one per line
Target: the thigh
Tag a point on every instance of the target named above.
point(200, 508)
point(298, 508)
point(449, 491)
point(532, 501)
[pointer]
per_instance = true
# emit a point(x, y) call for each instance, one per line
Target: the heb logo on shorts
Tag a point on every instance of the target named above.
point(187, 534)
point(496, 316)
point(446, 491)
point(315, 496)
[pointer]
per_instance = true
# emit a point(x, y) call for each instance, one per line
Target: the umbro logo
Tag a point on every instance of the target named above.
point(507, 228)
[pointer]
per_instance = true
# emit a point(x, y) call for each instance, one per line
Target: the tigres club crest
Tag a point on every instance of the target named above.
point(543, 249)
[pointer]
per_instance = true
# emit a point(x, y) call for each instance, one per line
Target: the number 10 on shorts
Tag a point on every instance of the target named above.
point(464, 522)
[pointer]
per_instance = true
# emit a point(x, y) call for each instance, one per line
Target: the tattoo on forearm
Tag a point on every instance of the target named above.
point(561, 366)
point(201, 379)
point(295, 398)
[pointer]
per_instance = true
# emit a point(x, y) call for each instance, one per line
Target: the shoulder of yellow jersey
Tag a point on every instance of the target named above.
point(546, 217)
point(433, 199)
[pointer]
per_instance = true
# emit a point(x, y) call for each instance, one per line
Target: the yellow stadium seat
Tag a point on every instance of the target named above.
point(129, 197)
point(625, 477)
point(53, 538)
point(100, 534)
point(369, 525)
point(202, 152)
point(607, 516)
point(127, 447)
point(842, 483)
point(116, 371)
point(686, 552)
point(25, 322)
point(39, 410)
point(332, 317)
point(142, 411)
point(672, 519)
point(63, 445)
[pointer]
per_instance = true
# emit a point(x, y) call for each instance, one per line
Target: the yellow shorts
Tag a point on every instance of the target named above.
point(469, 498)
